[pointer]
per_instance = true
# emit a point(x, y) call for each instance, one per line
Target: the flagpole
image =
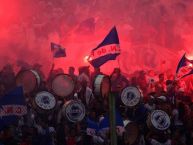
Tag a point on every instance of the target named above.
point(53, 60)
point(113, 136)
point(51, 70)
point(118, 62)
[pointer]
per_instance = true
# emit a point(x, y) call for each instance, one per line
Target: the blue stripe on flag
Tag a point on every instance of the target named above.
point(184, 68)
point(111, 38)
point(181, 63)
point(101, 60)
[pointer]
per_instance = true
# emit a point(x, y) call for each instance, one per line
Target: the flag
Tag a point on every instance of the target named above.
point(184, 68)
point(104, 124)
point(57, 50)
point(12, 106)
point(92, 127)
point(107, 50)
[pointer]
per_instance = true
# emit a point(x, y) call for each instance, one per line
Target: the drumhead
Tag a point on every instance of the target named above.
point(131, 133)
point(160, 120)
point(28, 79)
point(130, 96)
point(102, 85)
point(45, 101)
point(74, 111)
point(63, 85)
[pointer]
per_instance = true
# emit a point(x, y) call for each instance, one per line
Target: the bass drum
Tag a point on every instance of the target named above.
point(74, 111)
point(102, 85)
point(158, 121)
point(131, 96)
point(63, 85)
point(29, 80)
point(131, 135)
point(44, 102)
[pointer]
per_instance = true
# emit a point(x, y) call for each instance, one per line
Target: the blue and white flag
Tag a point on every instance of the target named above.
point(104, 123)
point(12, 106)
point(184, 68)
point(57, 50)
point(92, 127)
point(107, 50)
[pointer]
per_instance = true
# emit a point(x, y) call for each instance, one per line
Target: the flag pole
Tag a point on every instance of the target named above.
point(113, 136)
point(118, 62)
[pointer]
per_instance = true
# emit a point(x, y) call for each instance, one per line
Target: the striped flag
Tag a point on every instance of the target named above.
point(107, 50)
point(184, 68)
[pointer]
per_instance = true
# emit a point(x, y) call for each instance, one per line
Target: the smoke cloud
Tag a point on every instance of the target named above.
point(153, 34)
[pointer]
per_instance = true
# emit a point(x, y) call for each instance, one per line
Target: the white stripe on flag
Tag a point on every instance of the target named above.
point(107, 49)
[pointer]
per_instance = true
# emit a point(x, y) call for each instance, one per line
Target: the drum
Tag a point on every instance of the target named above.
point(74, 111)
point(158, 120)
point(63, 85)
point(29, 80)
point(130, 96)
point(44, 102)
point(101, 85)
point(131, 135)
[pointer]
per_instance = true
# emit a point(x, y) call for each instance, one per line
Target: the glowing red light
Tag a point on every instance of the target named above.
point(86, 59)
point(190, 65)
point(90, 58)
point(190, 57)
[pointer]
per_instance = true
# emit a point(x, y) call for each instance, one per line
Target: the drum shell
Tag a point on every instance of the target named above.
point(70, 102)
point(98, 84)
point(35, 85)
point(150, 125)
point(39, 109)
point(61, 93)
point(132, 134)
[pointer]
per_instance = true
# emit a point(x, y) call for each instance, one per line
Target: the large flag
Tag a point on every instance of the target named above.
point(57, 50)
point(184, 68)
point(107, 50)
point(12, 106)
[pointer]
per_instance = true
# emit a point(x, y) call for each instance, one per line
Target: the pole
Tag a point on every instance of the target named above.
point(113, 136)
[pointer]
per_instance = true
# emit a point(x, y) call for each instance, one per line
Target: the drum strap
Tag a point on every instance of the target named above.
point(88, 95)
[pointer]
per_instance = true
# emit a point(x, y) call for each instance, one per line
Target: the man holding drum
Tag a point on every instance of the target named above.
point(118, 81)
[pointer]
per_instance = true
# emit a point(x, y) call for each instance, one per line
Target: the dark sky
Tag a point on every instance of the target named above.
point(153, 33)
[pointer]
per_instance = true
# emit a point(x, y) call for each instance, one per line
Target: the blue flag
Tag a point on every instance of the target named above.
point(104, 124)
point(92, 127)
point(57, 50)
point(184, 68)
point(12, 105)
point(107, 50)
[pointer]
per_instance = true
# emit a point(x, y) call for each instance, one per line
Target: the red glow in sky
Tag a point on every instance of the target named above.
point(9, 12)
point(150, 32)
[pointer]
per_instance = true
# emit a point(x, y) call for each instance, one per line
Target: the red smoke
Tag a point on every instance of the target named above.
point(150, 32)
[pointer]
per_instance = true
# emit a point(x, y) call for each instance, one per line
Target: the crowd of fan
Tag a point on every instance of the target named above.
point(159, 92)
